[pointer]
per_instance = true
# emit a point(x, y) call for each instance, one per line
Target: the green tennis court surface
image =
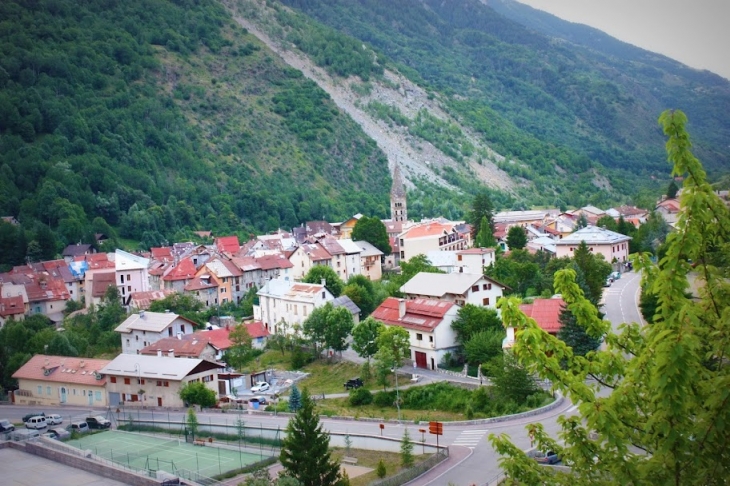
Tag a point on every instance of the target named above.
point(144, 452)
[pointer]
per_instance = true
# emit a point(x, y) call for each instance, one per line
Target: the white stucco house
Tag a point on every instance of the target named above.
point(284, 304)
point(459, 288)
point(145, 328)
point(613, 246)
point(428, 323)
point(131, 274)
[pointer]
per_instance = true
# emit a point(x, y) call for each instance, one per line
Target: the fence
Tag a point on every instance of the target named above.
point(412, 473)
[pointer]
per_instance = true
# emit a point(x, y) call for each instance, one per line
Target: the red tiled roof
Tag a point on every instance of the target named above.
point(270, 262)
point(475, 251)
point(546, 313)
point(62, 369)
point(500, 230)
point(228, 244)
point(201, 283)
point(256, 329)
point(316, 252)
point(191, 346)
point(12, 306)
point(671, 205)
point(163, 254)
point(184, 270)
point(96, 261)
point(216, 337)
point(142, 300)
point(421, 314)
point(429, 229)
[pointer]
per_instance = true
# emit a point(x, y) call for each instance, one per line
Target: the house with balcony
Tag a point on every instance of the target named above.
point(459, 288)
point(428, 323)
point(145, 328)
point(155, 381)
point(438, 235)
point(61, 380)
point(371, 260)
point(228, 278)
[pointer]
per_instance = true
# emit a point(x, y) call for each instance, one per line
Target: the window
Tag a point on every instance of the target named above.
point(74, 391)
point(159, 382)
point(182, 328)
point(97, 396)
point(122, 277)
point(323, 294)
point(48, 390)
point(127, 381)
point(475, 288)
point(458, 257)
point(166, 383)
point(295, 309)
point(169, 331)
point(40, 389)
point(304, 311)
point(136, 338)
point(113, 379)
point(129, 288)
point(402, 254)
point(487, 286)
point(430, 339)
point(129, 277)
point(485, 301)
point(140, 382)
point(419, 336)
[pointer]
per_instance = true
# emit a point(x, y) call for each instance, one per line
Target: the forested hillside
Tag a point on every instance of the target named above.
point(149, 119)
point(543, 101)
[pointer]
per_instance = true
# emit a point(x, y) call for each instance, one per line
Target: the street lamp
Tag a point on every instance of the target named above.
point(397, 395)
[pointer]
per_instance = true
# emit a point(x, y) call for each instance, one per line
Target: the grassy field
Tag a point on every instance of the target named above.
point(341, 407)
point(370, 459)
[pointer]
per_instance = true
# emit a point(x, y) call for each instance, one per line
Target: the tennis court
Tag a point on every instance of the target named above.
point(144, 452)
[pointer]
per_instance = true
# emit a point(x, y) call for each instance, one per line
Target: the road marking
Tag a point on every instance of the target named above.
point(572, 409)
point(470, 438)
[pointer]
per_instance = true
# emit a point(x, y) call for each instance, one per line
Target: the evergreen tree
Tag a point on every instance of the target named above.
point(594, 269)
point(481, 208)
point(516, 238)
point(406, 450)
point(305, 451)
point(485, 236)
point(295, 399)
point(572, 334)
point(380, 470)
point(581, 223)
point(672, 190)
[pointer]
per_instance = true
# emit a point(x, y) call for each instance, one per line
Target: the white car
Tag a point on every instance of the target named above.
point(260, 386)
point(54, 419)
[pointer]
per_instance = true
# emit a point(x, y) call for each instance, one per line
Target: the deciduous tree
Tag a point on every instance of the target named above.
point(333, 283)
point(196, 393)
point(516, 238)
point(372, 230)
point(364, 337)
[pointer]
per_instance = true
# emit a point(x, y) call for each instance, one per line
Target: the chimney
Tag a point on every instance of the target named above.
point(159, 353)
point(324, 282)
point(167, 311)
point(401, 308)
point(141, 314)
point(171, 353)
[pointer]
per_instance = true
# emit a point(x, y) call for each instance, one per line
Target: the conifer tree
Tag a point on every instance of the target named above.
point(295, 399)
point(406, 450)
point(305, 451)
point(574, 335)
point(665, 420)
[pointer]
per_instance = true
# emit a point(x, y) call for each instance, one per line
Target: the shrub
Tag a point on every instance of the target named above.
point(381, 471)
point(384, 399)
point(360, 396)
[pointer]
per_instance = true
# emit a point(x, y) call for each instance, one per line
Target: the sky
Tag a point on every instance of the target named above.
point(694, 32)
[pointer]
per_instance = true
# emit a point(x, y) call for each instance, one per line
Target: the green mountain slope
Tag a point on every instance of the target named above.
point(155, 118)
point(540, 99)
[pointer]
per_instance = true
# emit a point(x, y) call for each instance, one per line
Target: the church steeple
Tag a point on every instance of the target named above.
point(398, 207)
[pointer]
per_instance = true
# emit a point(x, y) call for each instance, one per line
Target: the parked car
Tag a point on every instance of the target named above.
point(59, 433)
point(608, 283)
point(549, 457)
point(353, 383)
point(31, 415)
point(6, 426)
point(615, 276)
point(260, 386)
point(98, 422)
point(37, 422)
point(260, 400)
point(80, 427)
point(24, 434)
point(54, 419)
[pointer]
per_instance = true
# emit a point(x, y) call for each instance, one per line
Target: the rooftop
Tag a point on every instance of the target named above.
point(420, 314)
point(155, 367)
point(149, 321)
point(64, 369)
point(593, 235)
point(545, 312)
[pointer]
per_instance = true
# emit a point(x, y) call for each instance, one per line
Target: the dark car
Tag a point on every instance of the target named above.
point(98, 422)
point(31, 415)
point(353, 383)
point(6, 426)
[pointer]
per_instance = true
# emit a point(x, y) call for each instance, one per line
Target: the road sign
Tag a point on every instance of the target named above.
point(436, 428)
point(382, 426)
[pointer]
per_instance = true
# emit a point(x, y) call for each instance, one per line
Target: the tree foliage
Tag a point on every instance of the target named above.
point(365, 336)
point(305, 451)
point(372, 230)
point(664, 420)
point(333, 282)
point(472, 319)
point(575, 336)
point(196, 393)
point(482, 211)
point(516, 238)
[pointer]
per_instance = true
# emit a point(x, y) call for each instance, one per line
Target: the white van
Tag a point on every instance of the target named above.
point(36, 423)
point(54, 419)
